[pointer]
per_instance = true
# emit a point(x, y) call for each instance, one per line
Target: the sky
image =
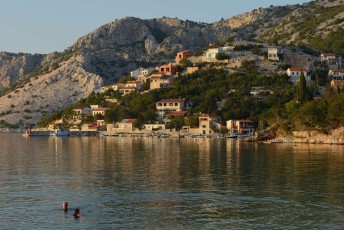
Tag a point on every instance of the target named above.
point(44, 26)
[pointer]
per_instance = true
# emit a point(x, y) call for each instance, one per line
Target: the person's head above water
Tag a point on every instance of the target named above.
point(77, 212)
point(64, 206)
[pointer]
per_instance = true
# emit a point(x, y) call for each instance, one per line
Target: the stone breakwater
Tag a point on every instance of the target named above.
point(312, 137)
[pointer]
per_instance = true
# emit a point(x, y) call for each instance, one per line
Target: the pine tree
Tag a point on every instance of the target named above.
point(302, 92)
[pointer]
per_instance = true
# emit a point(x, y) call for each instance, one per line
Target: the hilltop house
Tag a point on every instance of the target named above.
point(171, 107)
point(183, 55)
point(208, 123)
point(240, 126)
point(295, 72)
point(274, 54)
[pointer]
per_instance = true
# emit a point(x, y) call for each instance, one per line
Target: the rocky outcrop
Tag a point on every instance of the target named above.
point(312, 137)
point(14, 67)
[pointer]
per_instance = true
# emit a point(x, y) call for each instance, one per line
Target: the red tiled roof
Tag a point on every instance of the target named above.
point(130, 120)
point(124, 88)
point(327, 54)
point(100, 109)
point(170, 100)
point(177, 113)
point(209, 115)
point(298, 69)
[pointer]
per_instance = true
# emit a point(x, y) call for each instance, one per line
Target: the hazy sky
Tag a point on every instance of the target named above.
point(43, 26)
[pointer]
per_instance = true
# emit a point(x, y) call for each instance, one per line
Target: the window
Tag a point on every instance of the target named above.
point(175, 104)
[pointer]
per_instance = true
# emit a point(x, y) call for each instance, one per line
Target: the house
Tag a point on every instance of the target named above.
point(336, 73)
point(144, 74)
point(100, 122)
point(136, 73)
point(117, 86)
point(127, 124)
point(100, 111)
point(208, 123)
point(240, 126)
point(183, 55)
point(158, 81)
point(141, 73)
point(135, 84)
point(274, 54)
point(331, 60)
point(154, 127)
point(168, 69)
point(212, 51)
point(295, 72)
point(126, 90)
point(82, 110)
point(171, 107)
point(337, 84)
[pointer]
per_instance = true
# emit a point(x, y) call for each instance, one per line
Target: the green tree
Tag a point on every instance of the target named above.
point(302, 93)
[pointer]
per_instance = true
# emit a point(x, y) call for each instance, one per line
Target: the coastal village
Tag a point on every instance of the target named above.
point(209, 125)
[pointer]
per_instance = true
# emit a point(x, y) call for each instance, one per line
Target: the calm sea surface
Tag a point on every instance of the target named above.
point(148, 183)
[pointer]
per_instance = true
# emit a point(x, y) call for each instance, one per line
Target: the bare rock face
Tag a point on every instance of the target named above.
point(14, 67)
point(48, 93)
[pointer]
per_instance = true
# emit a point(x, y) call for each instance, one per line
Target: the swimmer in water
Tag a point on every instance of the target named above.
point(77, 213)
point(64, 206)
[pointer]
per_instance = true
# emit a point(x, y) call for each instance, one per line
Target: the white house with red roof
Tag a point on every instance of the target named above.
point(332, 60)
point(295, 72)
point(127, 124)
point(208, 123)
point(336, 73)
point(135, 84)
point(117, 86)
point(240, 126)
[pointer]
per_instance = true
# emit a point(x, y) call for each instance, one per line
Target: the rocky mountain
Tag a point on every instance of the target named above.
point(32, 86)
point(318, 24)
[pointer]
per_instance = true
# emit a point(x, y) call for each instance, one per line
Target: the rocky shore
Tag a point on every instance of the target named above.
point(311, 137)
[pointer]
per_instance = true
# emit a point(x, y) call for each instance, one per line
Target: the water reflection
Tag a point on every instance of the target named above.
point(169, 183)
